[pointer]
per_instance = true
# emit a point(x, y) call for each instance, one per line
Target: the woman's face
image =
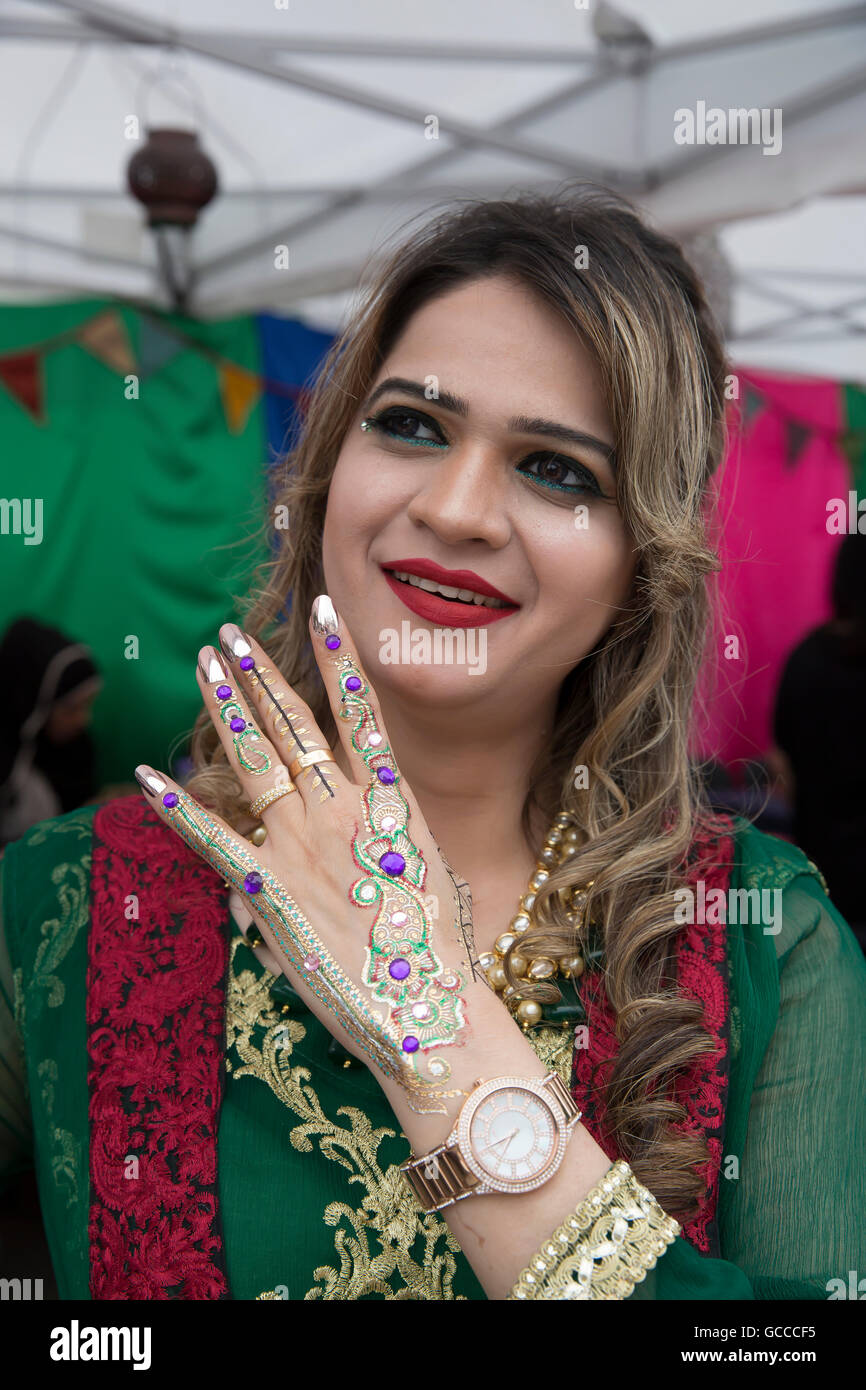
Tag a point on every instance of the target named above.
point(468, 468)
point(70, 717)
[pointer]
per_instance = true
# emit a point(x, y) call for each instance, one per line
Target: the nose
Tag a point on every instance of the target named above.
point(465, 498)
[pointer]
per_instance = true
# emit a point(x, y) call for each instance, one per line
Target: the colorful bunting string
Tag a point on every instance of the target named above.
point(21, 374)
point(799, 432)
point(240, 390)
point(105, 337)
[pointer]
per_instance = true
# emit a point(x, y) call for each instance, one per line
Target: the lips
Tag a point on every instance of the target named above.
point(440, 610)
point(452, 579)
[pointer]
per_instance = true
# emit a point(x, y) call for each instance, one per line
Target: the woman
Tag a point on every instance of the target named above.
point(286, 1010)
point(48, 687)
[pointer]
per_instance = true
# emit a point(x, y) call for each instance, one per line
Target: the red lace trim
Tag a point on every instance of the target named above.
point(155, 1021)
point(702, 1090)
point(155, 1017)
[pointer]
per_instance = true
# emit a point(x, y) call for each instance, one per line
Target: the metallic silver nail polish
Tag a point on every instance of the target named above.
point(211, 667)
point(324, 615)
point(234, 643)
point(148, 780)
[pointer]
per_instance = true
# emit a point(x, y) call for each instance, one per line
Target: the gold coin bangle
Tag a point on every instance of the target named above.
point(604, 1248)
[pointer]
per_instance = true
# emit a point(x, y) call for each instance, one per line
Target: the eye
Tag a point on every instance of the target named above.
point(400, 423)
point(561, 474)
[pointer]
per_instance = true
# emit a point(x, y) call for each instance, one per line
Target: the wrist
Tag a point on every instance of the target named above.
point(495, 1046)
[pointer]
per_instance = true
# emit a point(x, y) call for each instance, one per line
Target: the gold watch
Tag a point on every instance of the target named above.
point(509, 1136)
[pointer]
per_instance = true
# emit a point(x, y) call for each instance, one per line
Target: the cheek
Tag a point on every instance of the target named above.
point(349, 517)
point(361, 503)
point(585, 573)
point(362, 500)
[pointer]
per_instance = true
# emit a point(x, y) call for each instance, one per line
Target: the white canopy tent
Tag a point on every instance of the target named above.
point(332, 125)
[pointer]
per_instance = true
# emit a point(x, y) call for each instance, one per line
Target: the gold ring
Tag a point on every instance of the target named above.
point(268, 798)
point(310, 759)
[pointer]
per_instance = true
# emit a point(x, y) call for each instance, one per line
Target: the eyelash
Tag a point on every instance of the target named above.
point(588, 482)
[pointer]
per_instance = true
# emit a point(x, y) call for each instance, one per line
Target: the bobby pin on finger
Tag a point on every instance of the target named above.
point(424, 997)
point(298, 941)
point(237, 648)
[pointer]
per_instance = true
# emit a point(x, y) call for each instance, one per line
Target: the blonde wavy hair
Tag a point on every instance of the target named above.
point(625, 711)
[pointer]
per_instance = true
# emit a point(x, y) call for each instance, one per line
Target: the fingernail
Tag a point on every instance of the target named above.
point(211, 667)
point(234, 642)
point(148, 780)
point(324, 616)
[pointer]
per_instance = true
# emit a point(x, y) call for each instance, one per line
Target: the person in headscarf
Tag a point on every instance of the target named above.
point(48, 683)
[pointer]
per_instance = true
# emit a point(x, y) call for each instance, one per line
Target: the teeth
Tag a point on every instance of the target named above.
point(466, 595)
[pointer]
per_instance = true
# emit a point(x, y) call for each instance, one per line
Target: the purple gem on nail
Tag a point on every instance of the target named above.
point(223, 692)
point(237, 725)
point(170, 799)
point(253, 882)
point(399, 968)
point(332, 642)
point(246, 663)
point(410, 1043)
point(353, 683)
point(392, 863)
point(386, 775)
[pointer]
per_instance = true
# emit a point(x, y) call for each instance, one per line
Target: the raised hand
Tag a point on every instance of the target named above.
point(342, 883)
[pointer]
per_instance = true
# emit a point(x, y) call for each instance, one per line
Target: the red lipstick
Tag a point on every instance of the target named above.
point(441, 611)
point(455, 579)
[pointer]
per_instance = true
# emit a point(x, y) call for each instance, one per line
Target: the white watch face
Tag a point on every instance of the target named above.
point(513, 1135)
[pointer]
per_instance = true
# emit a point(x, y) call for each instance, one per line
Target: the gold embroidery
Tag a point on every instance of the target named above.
point(604, 1248)
point(66, 1158)
point(373, 1241)
point(778, 869)
point(555, 1048)
point(19, 1013)
point(78, 823)
point(59, 933)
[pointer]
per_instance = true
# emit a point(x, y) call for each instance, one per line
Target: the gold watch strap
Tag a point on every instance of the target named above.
point(560, 1092)
point(439, 1178)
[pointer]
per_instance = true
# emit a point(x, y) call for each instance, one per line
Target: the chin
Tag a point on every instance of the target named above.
point(431, 683)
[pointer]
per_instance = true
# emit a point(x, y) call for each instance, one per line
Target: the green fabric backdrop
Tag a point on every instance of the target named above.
point(148, 506)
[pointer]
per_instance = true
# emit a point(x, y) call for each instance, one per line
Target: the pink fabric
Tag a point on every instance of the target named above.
point(776, 552)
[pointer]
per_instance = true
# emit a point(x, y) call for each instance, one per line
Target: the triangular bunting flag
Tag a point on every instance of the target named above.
point(156, 345)
point(21, 374)
point(240, 390)
point(797, 436)
point(105, 336)
point(753, 403)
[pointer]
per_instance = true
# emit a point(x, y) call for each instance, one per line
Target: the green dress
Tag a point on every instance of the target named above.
point(311, 1201)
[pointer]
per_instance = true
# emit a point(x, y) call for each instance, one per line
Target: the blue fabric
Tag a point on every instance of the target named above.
point(291, 354)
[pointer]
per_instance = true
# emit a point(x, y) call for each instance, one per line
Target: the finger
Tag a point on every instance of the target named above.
point(230, 853)
point(283, 924)
point(352, 697)
point(285, 717)
point(258, 766)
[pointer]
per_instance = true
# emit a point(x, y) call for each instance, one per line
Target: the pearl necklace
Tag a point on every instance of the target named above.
point(559, 846)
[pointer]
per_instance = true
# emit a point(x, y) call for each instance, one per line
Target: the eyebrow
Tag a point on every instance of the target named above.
point(518, 424)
